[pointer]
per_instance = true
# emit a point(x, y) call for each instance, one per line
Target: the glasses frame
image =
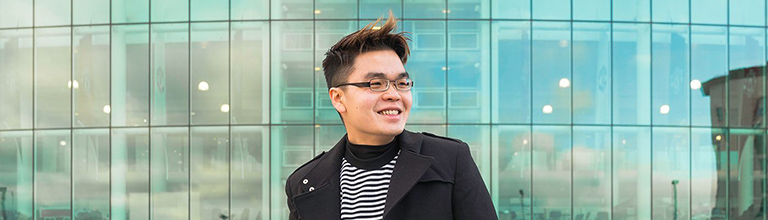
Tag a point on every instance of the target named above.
point(368, 84)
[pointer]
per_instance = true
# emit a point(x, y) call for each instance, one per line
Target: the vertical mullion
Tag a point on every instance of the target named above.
point(727, 109)
point(611, 121)
point(530, 114)
point(229, 113)
point(189, 109)
point(71, 110)
point(570, 64)
point(650, 97)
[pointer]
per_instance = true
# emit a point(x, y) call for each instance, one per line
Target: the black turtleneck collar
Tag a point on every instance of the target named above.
point(371, 156)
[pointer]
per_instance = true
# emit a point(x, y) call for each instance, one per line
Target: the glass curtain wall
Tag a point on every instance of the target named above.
point(193, 109)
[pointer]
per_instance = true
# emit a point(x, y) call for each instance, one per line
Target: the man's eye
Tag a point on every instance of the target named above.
point(375, 83)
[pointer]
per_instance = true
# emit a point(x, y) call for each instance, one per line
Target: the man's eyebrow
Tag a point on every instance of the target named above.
point(371, 75)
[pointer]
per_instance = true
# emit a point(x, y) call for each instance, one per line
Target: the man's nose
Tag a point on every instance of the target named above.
point(391, 94)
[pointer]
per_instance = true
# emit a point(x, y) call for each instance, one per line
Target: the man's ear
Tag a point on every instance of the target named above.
point(337, 99)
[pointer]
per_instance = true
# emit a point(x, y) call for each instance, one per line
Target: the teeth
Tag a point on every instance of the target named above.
point(388, 112)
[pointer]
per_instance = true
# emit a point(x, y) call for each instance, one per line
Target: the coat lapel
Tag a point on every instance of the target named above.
point(324, 202)
point(409, 168)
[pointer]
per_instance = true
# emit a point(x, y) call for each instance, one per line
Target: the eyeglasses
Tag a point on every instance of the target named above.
point(380, 85)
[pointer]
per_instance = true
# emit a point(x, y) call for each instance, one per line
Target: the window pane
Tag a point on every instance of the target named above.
point(592, 171)
point(709, 11)
point(511, 72)
point(249, 173)
point(594, 10)
point(91, 71)
point(53, 83)
point(291, 146)
point(204, 10)
point(15, 13)
point(292, 69)
point(127, 11)
point(16, 79)
point(670, 75)
point(478, 137)
point(249, 9)
point(170, 71)
point(511, 9)
point(380, 8)
point(709, 172)
point(631, 173)
point(552, 9)
point(511, 167)
point(170, 173)
point(16, 170)
point(327, 33)
point(670, 11)
point(53, 154)
point(90, 11)
point(210, 73)
point(90, 173)
point(424, 9)
point(631, 10)
point(293, 9)
point(671, 172)
point(552, 65)
point(249, 83)
point(746, 88)
point(592, 73)
point(551, 164)
point(130, 75)
point(747, 12)
point(468, 72)
point(631, 74)
point(747, 173)
point(427, 67)
point(130, 173)
point(170, 10)
point(336, 9)
point(469, 9)
point(209, 148)
point(709, 60)
point(327, 136)
point(434, 129)
point(52, 12)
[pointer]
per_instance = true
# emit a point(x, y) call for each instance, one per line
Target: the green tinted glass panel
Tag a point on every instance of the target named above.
point(16, 172)
point(16, 79)
point(209, 76)
point(90, 173)
point(90, 68)
point(53, 84)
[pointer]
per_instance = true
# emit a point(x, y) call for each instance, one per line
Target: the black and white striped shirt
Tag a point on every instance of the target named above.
point(364, 191)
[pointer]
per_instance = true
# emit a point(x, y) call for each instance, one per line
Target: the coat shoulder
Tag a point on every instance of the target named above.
point(430, 137)
point(305, 168)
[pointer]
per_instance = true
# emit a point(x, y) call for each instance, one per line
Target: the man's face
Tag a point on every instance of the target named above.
point(369, 113)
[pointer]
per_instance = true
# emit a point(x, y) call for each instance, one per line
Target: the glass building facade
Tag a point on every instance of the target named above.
point(197, 109)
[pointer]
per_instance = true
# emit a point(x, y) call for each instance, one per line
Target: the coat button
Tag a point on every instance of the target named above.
point(311, 189)
point(305, 181)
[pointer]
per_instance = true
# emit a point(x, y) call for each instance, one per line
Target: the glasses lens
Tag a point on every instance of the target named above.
point(378, 84)
point(403, 84)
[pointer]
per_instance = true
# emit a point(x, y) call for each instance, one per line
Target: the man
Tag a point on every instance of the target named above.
point(379, 170)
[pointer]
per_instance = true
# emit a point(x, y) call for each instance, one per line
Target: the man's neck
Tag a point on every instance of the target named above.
point(374, 140)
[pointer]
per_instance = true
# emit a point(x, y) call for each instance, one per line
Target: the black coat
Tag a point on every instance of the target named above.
point(434, 178)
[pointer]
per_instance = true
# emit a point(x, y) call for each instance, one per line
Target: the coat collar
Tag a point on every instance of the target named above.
point(410, 166)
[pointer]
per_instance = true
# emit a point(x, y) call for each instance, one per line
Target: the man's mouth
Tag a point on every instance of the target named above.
point(389, 112)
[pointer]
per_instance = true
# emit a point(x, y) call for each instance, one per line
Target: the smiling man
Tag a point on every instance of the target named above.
point(379, 170)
